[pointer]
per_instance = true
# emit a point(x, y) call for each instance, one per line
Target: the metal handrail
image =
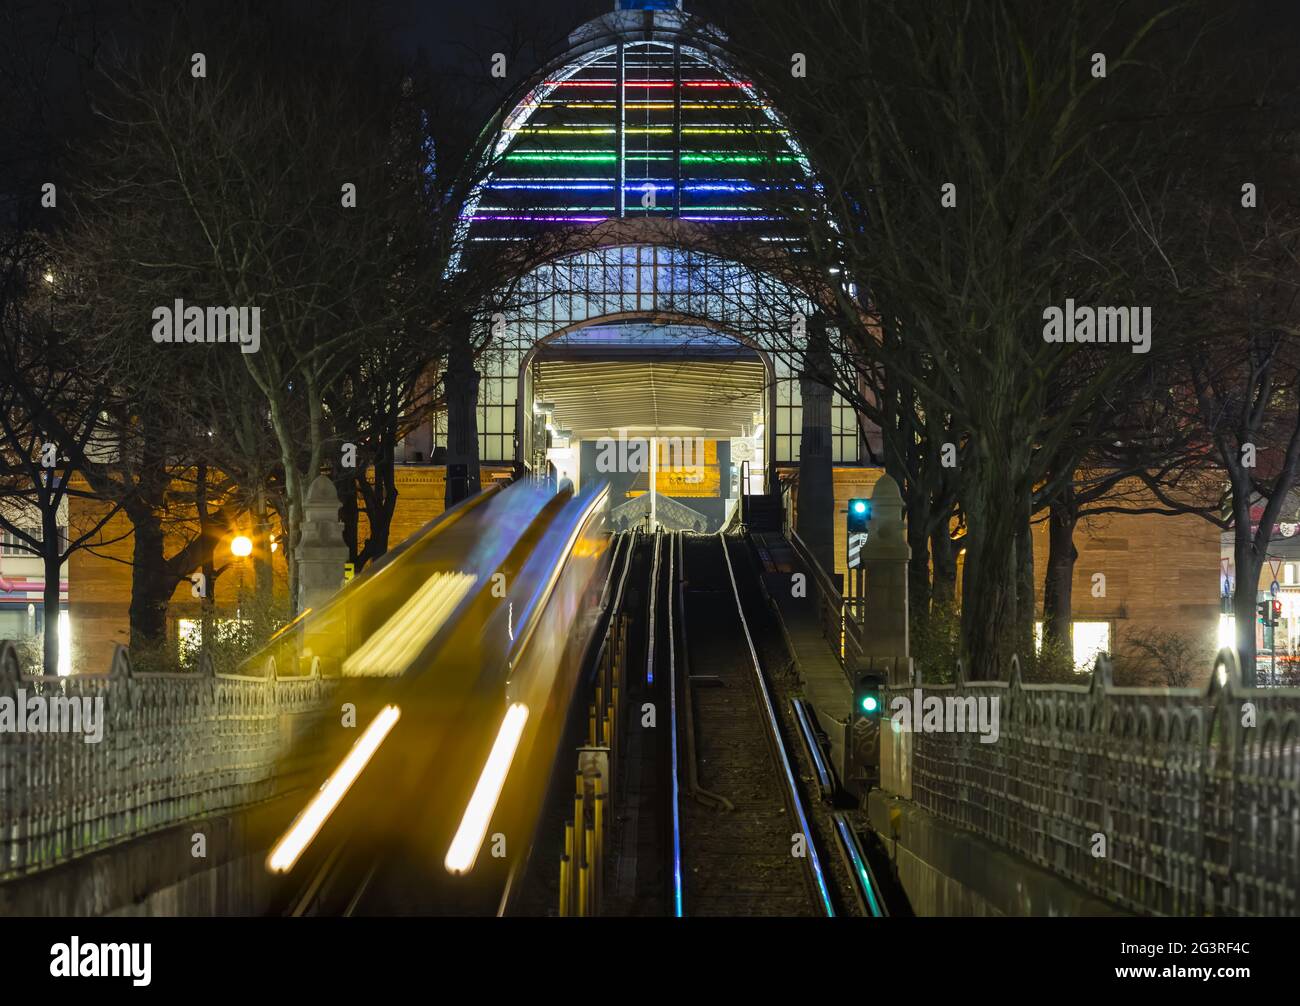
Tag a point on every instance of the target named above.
point(826, 585)
point(843, 630)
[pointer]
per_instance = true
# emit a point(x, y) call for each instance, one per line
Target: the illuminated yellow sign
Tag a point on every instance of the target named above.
point(686, 468)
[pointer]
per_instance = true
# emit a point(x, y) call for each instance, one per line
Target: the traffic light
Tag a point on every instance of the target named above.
point(859, 515)
point(1270, 613)
point(869, 695)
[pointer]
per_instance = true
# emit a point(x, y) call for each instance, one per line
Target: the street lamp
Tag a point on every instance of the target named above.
point(241, 547)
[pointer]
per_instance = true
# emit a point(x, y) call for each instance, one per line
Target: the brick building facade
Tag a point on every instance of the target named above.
point(1162, 574)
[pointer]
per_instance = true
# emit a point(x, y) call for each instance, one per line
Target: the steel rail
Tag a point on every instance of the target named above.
point(627, 568)
point(693, 787)
point(675, 804)
point(793, 798)
point(651, 605)
point(865, 887)
point(803, 716)
point(310, 898)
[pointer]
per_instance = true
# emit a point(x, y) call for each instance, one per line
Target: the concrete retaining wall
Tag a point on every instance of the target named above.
point(158, 875)
point(948, 871)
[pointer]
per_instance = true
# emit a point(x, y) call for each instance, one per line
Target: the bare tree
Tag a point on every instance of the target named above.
point(1220, 241)
point(272, 182)
point(49, 398)
point(49, 411)
point(961, 155)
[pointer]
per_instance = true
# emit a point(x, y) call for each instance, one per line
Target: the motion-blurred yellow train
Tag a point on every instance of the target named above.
point(460, 654)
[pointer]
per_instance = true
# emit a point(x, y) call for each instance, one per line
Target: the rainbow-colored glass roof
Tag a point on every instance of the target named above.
point(639, 129)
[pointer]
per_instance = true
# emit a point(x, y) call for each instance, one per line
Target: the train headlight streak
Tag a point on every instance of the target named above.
point(313, 817)
point(397, 642)
point(478, 813)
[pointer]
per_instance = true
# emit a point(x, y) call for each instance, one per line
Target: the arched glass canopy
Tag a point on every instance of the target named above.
point(644, 126)
point(638, 129)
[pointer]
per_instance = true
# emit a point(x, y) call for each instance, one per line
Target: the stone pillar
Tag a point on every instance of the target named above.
point(885, 638)
point(815, 511)
point(884, 561)
point(321, 552)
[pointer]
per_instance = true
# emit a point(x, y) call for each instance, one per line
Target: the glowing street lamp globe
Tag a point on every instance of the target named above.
point(241, 546)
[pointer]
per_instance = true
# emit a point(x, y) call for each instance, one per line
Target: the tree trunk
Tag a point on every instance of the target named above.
point(345, 484)
point(207, 566)
point(944, 551)
point(1244, 599)
point(152, 581)
point(1058, 582)
point(988, 601)
point(462, 382)
point(383, 501)
point(207, 605)
point(51, 550)
point(293, 530)
point(815, 515)
point(263, 568)
point(151, 584)
point(918, 573)
point(1026, 595)
point(294, 490)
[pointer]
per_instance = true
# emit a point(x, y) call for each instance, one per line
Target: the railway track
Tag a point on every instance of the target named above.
point(724, 805)
point(743, 839)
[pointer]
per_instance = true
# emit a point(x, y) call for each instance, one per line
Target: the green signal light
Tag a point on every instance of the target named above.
point(859, 514)
point(868, 694)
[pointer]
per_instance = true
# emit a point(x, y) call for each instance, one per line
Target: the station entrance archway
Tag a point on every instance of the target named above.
point(674, 417)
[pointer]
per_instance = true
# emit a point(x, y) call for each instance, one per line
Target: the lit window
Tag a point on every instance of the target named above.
point(65, 644)
point(1227, 631)
point(1090, 640)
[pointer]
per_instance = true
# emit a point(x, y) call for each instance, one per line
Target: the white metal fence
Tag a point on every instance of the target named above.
point(1168, 801)
point(174, 747)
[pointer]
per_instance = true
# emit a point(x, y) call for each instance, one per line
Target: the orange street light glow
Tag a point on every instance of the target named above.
point(313, 817)
point(478, 814)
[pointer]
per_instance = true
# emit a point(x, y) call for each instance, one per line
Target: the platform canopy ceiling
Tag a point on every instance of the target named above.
point(652, 398)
